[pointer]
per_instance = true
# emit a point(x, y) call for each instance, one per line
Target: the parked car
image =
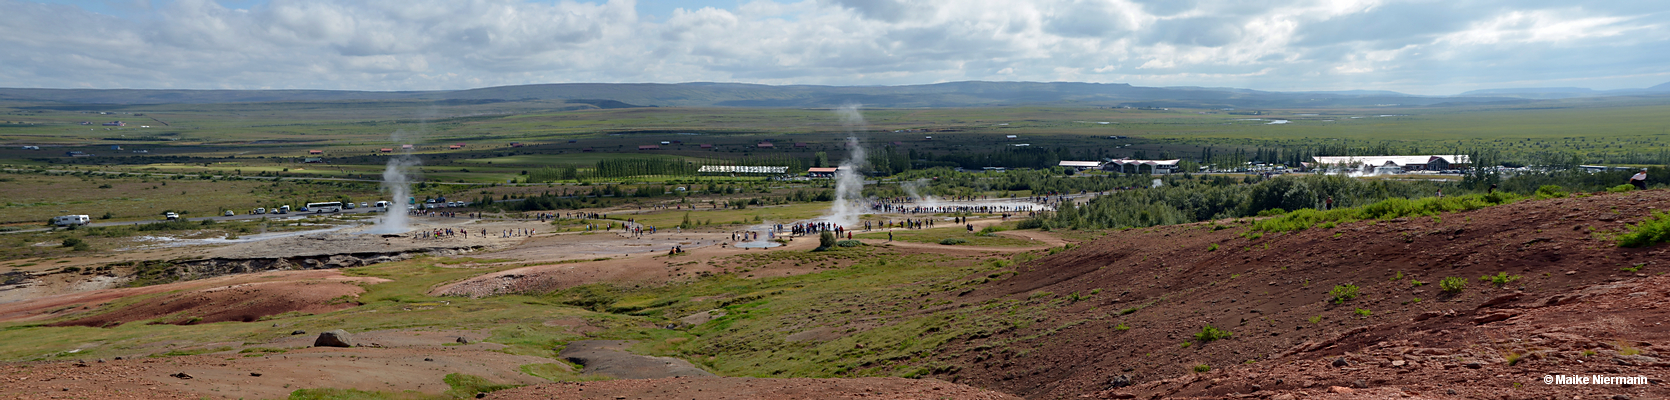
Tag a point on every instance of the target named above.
point(171, 216)
point(260, 210)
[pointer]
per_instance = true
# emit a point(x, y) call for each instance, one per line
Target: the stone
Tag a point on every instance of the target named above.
point(1119, 381)
point(335, 338)
point(1398, 363)
point(1485, 319)
point(1426, 315)
point(1500, 300)
point(1473, 365)
point(1284, 396)
point(298, 332)
point(1340, 362)
point(1360, 384)
point(181, 375)
point(1620, 397)
point(1450, 392)
point(1340, 390)
point(462, 340)
point(256, 374)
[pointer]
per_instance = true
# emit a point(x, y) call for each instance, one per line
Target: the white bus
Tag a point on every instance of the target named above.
point(381, 206)
point(329, 206)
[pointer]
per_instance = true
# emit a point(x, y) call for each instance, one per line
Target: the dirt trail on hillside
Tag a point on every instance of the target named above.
point(1157, 288)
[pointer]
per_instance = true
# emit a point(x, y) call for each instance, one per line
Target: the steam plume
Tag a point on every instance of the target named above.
point(849, 184)
point(397, 181)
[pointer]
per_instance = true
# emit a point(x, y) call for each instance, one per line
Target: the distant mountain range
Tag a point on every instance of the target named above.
point(953, 94)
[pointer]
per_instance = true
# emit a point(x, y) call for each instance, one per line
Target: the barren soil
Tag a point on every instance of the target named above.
point(1165, 285)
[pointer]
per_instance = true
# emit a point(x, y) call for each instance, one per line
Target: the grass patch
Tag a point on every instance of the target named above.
point(941, 235)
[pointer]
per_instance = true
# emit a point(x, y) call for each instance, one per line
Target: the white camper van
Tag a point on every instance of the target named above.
point(70, 220)
point(381, 206)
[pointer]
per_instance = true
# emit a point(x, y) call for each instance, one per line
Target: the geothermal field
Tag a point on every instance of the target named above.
point(532, 249)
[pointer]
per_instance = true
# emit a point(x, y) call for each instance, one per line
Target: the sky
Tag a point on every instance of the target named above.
point(1432, 47)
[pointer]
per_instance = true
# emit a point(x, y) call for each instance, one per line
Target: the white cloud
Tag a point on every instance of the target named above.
point(1422, 46)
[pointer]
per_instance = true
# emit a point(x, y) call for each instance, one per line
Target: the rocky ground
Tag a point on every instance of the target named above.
point(753, 388)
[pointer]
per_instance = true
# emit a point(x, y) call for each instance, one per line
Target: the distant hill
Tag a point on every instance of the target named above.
point(1662, 87)
point(709, 94)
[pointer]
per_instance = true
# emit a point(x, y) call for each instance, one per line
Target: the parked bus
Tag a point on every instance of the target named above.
point(329, 206)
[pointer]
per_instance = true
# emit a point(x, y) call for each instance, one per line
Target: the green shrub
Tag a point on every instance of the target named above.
point(849, 243)
point(1500, 279)
point(1364, 312)
point(1121, 327)
point(1210, 333)
point(1203, 368)
point(952, 241)
point(1213, 247)
point(1452, 284)
point(826, 240)
point(1651, 231)
point(1272, 212)
point(72, 242)
point(1342, 293)
point(1621, 188)
point(1550, 192)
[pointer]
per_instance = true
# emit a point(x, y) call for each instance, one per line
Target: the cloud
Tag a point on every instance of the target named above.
point(1420, 46)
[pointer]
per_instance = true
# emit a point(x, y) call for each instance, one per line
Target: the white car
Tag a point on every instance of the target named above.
point(230, 213)
point(171, 216)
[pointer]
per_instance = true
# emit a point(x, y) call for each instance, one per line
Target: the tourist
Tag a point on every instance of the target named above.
point(1639, 180)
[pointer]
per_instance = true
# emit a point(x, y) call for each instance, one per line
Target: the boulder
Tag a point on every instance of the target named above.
point(336, 338)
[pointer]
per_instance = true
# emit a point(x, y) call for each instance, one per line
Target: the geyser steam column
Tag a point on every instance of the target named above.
point(849, 184)
point(397, 182)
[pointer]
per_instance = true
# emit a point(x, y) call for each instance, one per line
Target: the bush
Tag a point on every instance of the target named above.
point(1213, 247)
point(1203, 368)
point(1621, 188)
point(849, 243)
point(1651, 231)
point(1341, 293)
point(1550, 192)
point(1210, 333)
point(1452, 284)
point(952, 241)
point(73, 242)
point(1272, 212)
point(826, 240)
point(1364, 312)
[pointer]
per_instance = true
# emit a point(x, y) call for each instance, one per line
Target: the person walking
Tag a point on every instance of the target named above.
point(1639, 180)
